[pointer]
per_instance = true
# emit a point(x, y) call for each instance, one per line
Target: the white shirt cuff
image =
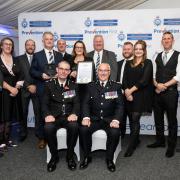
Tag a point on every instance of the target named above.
point(176, 78)
point(20, 83)
point(115, 121)
point(86, 118)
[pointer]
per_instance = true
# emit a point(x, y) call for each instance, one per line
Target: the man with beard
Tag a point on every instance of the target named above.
point(29, 88)
point(127, 53)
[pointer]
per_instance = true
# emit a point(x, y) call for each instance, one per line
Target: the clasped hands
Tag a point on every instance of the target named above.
point(71, 117)
point(87, 122)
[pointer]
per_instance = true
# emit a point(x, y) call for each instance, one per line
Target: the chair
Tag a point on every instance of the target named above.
point(99, 139)
point(61, 139)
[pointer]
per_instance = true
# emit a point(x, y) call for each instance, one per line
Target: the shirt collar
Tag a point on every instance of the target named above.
point(47, 51)
point(62, 83)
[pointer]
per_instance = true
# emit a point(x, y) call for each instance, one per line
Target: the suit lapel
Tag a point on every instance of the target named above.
point(104, 57)
point(44, 58)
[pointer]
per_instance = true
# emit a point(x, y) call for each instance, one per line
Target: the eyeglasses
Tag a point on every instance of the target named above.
point(103, 70)
point(8, 44)
point(63, 69)
point(78, 47)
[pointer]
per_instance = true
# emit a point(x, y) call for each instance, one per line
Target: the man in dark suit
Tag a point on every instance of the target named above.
point(100, 55)
point(61, 46)
point(61, 109)
point(28, 91)
point(102, 109)
point(43, 68)
point(166, 77)
point(127, 52)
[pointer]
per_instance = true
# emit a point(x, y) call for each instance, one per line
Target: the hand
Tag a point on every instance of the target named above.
point(86, 122)
point(72, 117)
point(73, 74)
point(32, 89)
point(127, 92)
point(18, 86)
point(114, 124)
point(157, 91)
point(49, 118)
point(45, 76)
point(129, 98)
point(161, 87)
point(14, 91)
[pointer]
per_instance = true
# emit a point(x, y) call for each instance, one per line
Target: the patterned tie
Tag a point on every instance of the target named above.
point(51, 57)
point(97, 64)
point(165, 58)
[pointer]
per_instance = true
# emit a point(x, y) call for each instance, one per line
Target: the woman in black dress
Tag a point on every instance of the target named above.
point(79, 55)
point(138, 89)
point(12, 81)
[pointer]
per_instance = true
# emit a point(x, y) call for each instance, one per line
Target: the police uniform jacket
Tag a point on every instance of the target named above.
point(59, 101)
point(103, 103)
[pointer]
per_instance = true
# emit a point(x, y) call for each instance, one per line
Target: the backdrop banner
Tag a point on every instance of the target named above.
point(116, 26)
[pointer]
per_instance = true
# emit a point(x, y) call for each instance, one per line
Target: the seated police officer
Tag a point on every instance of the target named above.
point(102, 109)
point(61, 109)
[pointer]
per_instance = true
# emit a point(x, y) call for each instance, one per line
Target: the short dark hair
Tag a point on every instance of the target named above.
point(168, 32)
point(128, 43)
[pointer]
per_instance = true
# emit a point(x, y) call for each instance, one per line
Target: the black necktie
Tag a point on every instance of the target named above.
point(61, 86)
point(102, 84)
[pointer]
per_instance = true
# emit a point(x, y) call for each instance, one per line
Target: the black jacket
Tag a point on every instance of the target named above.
point(97, 106)
point(54, 99)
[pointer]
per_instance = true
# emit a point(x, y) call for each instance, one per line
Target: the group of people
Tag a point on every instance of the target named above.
point(128, 88)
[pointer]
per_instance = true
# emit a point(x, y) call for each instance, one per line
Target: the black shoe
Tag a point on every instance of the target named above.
point(129, 152)
point(156, 145)
point(170, 152)
point(71, 164)
point(52, 164)
point(110, 165)
point(84, 164)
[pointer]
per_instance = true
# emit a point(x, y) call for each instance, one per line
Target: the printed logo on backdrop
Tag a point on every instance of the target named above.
point(100, 26)
point(121, 36)
point(40, 24)
point(167, 23)
point(135, 37)
point(72, 37)
point(34, 24)
point(24, 23)
point(56, 36)
point(157, 21)
point(88, 22)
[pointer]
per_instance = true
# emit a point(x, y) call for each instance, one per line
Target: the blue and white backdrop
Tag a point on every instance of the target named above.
point(117, 26)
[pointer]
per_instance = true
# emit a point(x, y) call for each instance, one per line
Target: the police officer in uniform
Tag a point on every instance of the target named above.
point(61, 109)
point(102, 109)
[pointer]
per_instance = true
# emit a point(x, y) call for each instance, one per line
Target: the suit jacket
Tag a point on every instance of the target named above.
point(67, 57)
point(38, 67)
point(54, 99)
point(25, 67)
point(120, 63)
point(103, 103)
point(110, 58)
